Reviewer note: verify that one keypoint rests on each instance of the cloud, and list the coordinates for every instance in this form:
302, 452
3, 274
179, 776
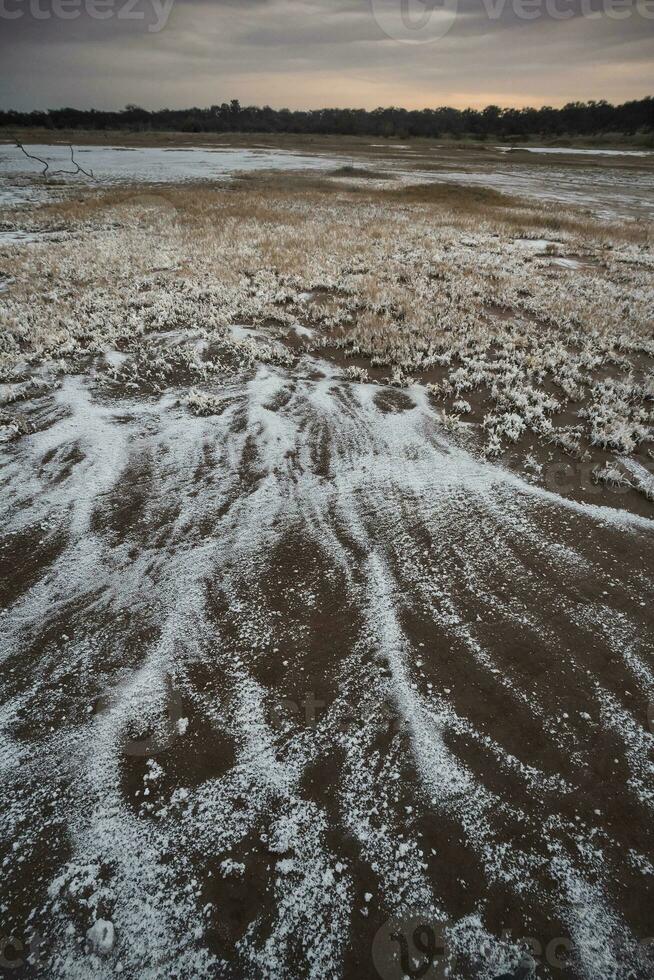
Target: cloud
308, 53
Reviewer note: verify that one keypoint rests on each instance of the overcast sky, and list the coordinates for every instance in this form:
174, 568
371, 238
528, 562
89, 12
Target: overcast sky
312, 53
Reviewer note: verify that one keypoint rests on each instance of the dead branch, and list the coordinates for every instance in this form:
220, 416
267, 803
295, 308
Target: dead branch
80, 169
60, 173
32, 156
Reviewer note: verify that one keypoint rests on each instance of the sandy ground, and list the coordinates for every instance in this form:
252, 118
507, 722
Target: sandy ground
310, 670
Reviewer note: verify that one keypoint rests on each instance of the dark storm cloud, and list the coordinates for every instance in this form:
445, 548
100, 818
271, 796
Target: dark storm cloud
315, 52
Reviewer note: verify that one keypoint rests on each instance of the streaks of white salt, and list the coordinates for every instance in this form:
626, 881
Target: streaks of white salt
239, 332
445, 778
611, 195
86, 423
8, 238
566, 262
643, 477
578, 151
601, 943
385, 473
115, 358
535, 244
13, 195
622, 637
638, 745
303, 331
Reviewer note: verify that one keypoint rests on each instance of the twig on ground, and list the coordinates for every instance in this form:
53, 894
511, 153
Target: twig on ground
46, 165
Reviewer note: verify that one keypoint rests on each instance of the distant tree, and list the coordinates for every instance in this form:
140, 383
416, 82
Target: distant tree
633, 119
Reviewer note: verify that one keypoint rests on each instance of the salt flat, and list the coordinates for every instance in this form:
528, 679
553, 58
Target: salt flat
327, 531
613, 192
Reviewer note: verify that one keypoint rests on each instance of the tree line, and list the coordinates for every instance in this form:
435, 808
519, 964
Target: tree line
579, 119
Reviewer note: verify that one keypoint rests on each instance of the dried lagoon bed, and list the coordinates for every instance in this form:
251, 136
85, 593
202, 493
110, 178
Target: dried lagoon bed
328, 539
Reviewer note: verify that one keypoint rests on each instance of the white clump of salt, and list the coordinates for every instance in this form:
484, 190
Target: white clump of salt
101, 936
229, 867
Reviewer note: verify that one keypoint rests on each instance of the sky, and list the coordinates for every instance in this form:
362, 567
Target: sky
315, 53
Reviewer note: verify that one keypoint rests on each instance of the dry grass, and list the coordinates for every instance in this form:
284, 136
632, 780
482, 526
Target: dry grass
436, 282
267, 196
